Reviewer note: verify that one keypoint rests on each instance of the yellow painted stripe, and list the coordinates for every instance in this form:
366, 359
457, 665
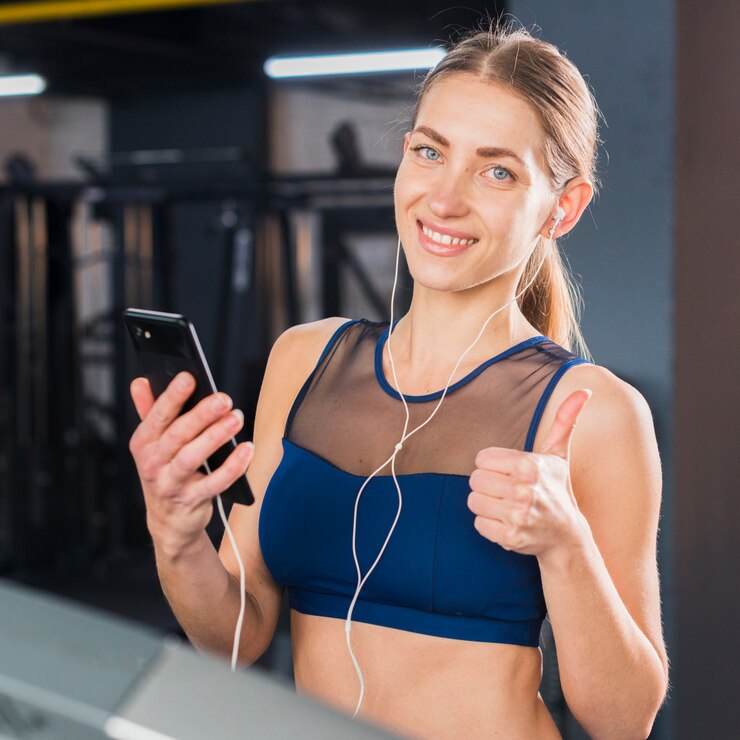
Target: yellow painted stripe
53, 10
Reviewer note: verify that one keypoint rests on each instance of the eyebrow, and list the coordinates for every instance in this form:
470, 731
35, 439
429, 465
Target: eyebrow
487, 152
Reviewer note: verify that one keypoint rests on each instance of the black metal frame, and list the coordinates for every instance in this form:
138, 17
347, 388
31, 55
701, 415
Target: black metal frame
67, 489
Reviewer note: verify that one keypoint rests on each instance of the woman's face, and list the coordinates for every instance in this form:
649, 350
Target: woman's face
471, 193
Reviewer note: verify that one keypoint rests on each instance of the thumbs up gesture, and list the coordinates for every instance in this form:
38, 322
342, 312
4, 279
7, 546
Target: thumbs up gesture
523, 501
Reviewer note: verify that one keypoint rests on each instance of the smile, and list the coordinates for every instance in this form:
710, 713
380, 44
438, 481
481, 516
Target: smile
435, 236
443, 244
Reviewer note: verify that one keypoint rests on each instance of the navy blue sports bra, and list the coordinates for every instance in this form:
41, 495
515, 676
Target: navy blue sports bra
438, 576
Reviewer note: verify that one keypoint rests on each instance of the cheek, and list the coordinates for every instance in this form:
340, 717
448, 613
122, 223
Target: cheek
405, 196
511, 222
410, 186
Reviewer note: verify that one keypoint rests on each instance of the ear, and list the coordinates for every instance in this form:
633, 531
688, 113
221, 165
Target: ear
574, 200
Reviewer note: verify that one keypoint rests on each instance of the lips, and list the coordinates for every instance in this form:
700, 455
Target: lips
446, 237
443, 242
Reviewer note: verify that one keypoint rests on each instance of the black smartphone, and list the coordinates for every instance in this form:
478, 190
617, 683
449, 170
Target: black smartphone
166, 344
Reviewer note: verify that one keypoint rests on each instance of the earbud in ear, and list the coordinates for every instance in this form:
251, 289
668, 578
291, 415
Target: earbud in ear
559, 216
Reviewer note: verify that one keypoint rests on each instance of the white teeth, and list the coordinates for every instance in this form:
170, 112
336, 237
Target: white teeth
446, 238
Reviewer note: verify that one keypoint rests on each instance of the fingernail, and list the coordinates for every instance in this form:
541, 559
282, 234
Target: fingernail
221, 402
184, 381
237, 418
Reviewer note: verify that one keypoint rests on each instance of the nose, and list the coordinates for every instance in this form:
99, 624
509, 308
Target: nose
448, 196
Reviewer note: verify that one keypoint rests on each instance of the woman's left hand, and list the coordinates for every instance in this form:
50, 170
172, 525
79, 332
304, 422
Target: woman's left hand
524, 501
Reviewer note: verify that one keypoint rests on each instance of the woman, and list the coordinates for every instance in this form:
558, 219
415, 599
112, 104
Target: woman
508, 510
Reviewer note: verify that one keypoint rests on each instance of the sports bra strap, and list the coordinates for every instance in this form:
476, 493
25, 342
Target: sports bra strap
544, 398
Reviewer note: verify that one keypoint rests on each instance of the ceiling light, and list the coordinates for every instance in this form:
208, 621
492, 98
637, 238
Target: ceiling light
360, 63
21, 85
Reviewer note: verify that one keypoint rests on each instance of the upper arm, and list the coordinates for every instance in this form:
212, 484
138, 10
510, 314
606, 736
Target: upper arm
292, 359
617, 481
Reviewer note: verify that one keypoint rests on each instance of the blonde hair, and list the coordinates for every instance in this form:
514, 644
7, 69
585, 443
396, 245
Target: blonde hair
568, 113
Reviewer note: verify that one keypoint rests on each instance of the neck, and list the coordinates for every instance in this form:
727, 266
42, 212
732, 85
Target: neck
440, 326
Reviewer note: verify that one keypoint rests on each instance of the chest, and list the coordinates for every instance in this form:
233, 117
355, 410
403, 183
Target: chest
434, 562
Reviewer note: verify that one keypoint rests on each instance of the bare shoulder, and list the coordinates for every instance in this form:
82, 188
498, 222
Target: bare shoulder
302, 337
617, 420
602, 381
614, 438
292, 358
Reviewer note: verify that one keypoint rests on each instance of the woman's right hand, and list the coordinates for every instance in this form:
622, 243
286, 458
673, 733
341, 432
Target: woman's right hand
169, 450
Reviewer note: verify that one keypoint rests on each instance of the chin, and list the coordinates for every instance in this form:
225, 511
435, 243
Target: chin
438, 279
439, 275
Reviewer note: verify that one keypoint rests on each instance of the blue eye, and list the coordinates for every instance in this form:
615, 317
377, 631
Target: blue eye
427, 152
500, 173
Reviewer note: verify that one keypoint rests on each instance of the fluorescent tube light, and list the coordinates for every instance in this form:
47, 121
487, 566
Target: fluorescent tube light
21, 85
360, 63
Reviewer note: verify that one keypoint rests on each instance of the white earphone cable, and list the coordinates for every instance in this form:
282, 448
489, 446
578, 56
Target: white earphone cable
242, 584
242, 577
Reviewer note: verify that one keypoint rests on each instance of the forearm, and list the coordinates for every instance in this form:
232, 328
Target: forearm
612, 676
205, 598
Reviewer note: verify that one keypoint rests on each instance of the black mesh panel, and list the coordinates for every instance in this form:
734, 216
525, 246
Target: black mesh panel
344, 415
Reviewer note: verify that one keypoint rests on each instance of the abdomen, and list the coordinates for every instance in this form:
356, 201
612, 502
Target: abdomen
422, 686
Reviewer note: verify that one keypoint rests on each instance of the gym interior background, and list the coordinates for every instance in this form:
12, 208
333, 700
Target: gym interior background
161, 168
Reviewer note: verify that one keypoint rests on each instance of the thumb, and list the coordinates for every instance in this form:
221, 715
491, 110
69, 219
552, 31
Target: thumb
557, 441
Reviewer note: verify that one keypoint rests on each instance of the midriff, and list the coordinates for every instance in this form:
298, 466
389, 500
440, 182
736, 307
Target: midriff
422, 686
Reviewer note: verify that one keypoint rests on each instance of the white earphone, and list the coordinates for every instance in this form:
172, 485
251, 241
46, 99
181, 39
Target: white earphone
559, 216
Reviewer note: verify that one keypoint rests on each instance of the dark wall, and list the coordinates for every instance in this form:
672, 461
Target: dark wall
707, 397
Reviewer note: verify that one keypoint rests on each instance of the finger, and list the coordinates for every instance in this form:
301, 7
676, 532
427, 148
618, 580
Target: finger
235, 466
142, 396
192, 456
493, 484
166, 408
184, 429
558, 439
509, 462
498, 509
492, 530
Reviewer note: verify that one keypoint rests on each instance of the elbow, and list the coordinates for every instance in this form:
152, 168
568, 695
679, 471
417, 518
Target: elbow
631, 718
632, 726
248, 655
256, 641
